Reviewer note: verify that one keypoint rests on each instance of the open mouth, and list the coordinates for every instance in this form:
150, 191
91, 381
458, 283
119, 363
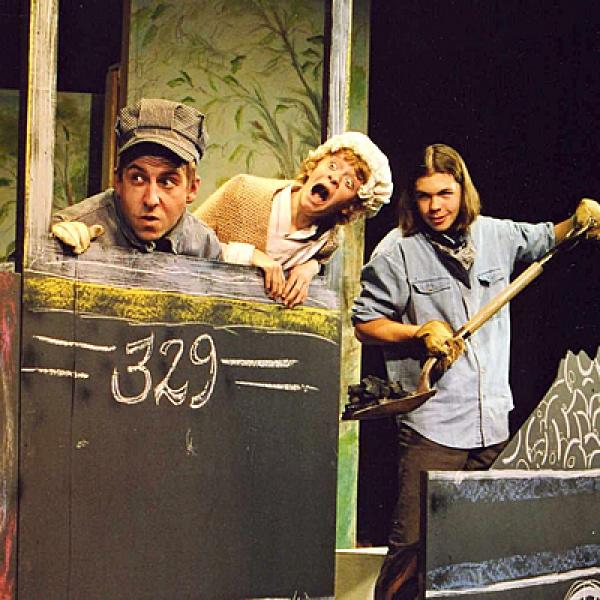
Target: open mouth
437, 219
320, 190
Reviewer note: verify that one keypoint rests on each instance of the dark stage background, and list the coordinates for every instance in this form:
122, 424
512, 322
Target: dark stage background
515, 87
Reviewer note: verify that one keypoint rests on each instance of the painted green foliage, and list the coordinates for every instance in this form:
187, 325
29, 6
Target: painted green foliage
255, 68
72, 139
70, 157
9, 118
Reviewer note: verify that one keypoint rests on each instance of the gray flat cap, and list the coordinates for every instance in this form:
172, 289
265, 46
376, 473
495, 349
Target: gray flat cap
174, 125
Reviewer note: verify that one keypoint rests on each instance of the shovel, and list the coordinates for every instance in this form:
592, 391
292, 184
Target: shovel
386, 406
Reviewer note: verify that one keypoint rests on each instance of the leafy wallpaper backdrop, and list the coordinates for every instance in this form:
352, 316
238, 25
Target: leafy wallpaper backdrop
71, 157
9, 119
254, 67
71, 148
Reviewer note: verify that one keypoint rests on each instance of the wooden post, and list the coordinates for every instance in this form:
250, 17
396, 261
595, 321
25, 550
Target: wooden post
41, 108
348, 95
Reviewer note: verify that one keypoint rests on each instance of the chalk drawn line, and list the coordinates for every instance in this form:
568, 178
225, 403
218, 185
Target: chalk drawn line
516, 584
261, 363
56, 372
284, 387
458, 476
74, 344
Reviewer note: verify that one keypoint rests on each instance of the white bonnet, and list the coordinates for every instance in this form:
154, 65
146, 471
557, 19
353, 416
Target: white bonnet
378, 189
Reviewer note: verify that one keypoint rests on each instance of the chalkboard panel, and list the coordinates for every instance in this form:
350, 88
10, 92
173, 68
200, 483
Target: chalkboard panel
167, 272
563, 432
10, 286
512, 535
168, 456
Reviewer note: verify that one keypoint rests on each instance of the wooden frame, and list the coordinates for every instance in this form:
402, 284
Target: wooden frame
40, 122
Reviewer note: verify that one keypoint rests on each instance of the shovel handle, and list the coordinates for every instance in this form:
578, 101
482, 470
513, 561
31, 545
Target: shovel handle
495, 304
481, 316
424, 384
533, 271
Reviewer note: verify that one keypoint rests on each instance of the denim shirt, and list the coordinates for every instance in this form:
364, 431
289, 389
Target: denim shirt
190, 236
405, 281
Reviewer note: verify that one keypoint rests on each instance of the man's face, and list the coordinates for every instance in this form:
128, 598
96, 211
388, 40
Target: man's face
153, 195
438, 198
329, 189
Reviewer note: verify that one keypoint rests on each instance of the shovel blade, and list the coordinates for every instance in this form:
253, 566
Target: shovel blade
387, 408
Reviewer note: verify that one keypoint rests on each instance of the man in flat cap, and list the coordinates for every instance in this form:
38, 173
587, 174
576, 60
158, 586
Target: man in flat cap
159, 144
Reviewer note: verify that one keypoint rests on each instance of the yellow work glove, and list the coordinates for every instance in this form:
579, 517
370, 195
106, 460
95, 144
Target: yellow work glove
439, 341
77, 236
588, 213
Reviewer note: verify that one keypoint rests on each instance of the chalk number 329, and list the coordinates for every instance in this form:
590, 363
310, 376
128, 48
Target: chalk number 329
163, 389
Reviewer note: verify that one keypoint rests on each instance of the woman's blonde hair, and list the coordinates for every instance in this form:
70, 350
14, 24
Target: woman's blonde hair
439, 158
363, 173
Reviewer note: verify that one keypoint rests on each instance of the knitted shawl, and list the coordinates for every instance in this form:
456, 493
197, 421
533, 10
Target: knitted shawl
240, 209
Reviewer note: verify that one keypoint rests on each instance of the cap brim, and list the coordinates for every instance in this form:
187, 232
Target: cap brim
184, 153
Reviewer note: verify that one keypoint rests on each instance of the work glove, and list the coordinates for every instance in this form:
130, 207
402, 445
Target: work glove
588, 213
77, 236
439, 341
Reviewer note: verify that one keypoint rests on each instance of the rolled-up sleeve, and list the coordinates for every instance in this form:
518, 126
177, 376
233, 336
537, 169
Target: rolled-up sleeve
530, 241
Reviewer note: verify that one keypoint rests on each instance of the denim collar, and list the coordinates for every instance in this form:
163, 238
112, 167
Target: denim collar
456, 251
